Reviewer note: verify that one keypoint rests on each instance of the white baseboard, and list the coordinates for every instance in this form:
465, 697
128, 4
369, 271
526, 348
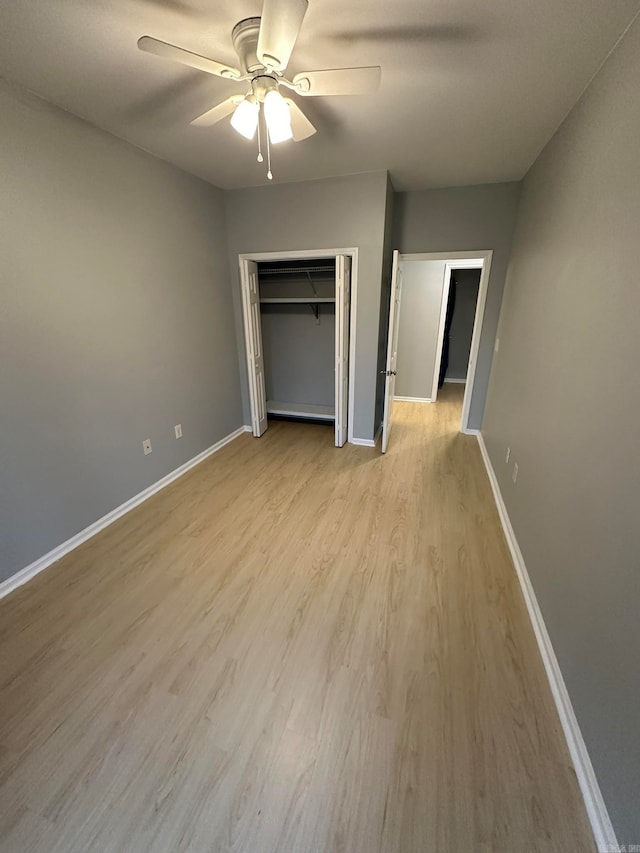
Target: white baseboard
469, 431
414, 399
603, 831
363, 442
30, 571
368, 442
449, 381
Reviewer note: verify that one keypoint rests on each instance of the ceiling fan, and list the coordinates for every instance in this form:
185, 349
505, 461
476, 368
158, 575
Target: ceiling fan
264, 46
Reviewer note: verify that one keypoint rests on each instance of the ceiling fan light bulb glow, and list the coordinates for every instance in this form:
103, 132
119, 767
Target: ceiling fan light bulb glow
277, 117
280, 134
245, 118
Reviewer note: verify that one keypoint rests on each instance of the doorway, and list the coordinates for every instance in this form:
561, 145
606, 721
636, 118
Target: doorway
415, 347
458, 329
298, 320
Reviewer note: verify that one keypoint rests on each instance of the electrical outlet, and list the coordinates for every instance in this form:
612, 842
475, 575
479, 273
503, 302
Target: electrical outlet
178, 429
506, 461
146, 446
514, 476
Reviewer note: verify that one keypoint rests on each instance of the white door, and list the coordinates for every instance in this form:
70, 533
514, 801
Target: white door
392, 351
343, 300
253, 345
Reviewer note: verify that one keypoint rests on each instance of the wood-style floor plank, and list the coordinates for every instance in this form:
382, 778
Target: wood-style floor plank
292, 648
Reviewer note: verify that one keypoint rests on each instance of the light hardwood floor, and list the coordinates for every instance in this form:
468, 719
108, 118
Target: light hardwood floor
293, 648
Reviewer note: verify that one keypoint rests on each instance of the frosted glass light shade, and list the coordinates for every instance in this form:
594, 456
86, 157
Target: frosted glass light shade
277, 117
245, 118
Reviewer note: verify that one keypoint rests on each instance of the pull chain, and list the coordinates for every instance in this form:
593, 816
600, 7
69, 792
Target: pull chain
260, 157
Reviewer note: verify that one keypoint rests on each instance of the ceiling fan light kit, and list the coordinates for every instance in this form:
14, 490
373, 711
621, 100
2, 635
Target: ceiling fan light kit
277, 117
264, 46
245, 118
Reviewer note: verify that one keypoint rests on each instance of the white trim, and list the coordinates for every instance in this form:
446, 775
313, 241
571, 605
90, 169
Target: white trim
413, 399
367, 442
305, 254
353, 313
23, 575
451, 381
468, 431
603, 831
294, 254
363, 442
465, 260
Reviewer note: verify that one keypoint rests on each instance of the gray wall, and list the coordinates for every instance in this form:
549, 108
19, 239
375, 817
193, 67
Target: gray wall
460, 219
420, 304
464, 314
299, 353
341, 212
564, 396
116, 324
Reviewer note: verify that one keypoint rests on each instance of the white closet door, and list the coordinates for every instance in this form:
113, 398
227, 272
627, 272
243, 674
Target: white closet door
343, 301
392, 351
253, 344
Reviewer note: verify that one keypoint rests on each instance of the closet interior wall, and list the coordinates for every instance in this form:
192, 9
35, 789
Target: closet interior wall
297, 313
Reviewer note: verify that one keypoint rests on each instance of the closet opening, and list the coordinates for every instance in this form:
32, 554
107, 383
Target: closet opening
297, 317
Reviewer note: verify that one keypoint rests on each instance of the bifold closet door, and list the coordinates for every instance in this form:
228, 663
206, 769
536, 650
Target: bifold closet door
343, 301
253, 345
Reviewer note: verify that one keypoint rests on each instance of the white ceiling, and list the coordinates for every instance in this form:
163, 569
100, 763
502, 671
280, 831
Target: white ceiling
471, 91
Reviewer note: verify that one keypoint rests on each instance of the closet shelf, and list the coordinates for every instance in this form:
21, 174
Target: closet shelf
299, 300
302, 410
330, 270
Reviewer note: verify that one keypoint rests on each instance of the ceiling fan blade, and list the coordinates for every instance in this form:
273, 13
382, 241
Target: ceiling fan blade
339, 81
279, 27
220, 111
185, 57
301, 127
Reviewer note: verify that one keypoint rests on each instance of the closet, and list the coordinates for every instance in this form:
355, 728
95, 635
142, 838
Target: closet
296, 323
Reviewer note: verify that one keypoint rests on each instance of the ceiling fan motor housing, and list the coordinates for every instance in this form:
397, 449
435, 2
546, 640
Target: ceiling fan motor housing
245, 43
262, 84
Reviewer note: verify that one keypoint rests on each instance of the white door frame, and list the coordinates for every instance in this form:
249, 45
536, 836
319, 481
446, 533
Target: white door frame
460, 260
307, 254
